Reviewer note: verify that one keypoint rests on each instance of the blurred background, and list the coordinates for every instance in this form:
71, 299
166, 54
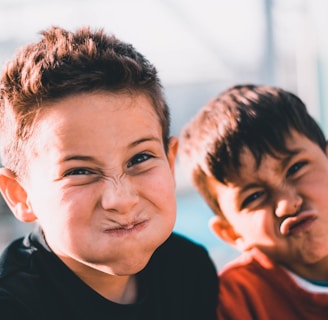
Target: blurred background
200, 48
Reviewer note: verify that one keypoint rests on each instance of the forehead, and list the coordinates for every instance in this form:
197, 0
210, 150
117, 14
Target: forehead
96, 106
101, 117
273, 161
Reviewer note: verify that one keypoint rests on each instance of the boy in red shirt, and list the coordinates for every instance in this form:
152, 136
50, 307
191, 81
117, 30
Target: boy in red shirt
260, 161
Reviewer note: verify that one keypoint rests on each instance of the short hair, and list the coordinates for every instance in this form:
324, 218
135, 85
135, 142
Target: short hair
65, 63
253, 116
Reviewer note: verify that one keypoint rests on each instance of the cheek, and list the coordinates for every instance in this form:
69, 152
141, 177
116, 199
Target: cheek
57, 208
162, 180
159, 189
315, 181
78, 205
256, 226
263, 222
315, 189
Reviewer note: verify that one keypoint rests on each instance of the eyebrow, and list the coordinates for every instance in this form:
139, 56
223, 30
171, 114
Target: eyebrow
90, 158
248, 187
146, 139
292, 152
79, 157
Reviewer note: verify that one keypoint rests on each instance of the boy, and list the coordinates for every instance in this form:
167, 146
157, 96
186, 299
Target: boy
260, 161
86, 152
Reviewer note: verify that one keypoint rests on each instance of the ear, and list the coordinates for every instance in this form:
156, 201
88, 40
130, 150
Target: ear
172, 152
223, 229
15, 196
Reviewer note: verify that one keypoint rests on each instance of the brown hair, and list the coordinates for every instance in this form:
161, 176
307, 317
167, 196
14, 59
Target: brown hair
64, 63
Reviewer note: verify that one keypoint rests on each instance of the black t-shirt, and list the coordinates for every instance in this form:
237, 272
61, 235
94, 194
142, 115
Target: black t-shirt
179, 282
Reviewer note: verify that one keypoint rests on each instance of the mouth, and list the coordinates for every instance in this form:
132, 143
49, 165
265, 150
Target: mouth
298, 224
126, 228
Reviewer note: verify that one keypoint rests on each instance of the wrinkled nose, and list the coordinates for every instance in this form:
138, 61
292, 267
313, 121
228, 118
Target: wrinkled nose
288, 202
119, 195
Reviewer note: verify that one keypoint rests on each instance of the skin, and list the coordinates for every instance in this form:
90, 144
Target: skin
101, 186
279, 207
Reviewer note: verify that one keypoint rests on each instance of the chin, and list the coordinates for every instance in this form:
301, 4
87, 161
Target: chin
129, 268
312, 258
129, 265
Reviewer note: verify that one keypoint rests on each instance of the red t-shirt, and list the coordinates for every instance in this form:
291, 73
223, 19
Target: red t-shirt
253, 287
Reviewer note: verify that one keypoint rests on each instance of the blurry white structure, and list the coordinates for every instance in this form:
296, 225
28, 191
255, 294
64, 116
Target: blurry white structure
199, 48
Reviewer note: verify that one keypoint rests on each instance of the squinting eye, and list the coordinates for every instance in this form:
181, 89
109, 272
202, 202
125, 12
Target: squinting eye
78, 171
293, 169
251, 198
139, 158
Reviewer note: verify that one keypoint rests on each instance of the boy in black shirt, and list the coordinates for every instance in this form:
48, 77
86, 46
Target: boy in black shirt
86, 152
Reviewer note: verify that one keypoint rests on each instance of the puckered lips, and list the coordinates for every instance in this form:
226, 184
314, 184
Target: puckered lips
301, 222
127, 228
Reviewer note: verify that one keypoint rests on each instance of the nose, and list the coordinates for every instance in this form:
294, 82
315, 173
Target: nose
119, 195
288, 202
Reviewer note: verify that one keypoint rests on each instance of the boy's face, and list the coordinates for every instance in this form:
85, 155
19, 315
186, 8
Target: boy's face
100, 183
280, 207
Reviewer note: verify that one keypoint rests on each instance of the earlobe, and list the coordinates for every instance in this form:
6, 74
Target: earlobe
223, 229
15, 196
